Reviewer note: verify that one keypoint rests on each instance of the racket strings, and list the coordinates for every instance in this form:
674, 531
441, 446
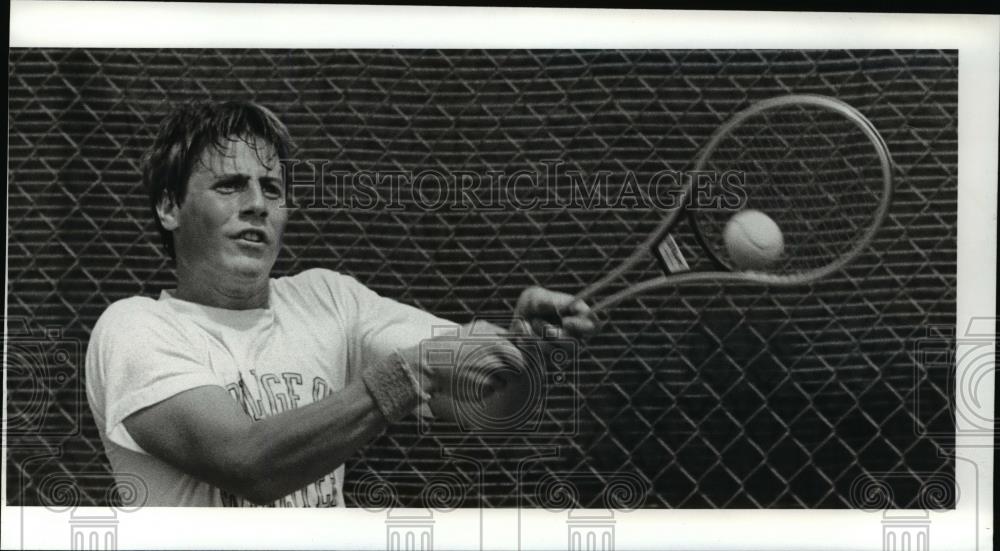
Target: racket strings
802, 194
813, 171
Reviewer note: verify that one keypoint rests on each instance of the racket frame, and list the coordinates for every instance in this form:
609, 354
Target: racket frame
724, 273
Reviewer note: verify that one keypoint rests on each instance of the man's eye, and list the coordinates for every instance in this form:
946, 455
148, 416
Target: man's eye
227, 187
271, 191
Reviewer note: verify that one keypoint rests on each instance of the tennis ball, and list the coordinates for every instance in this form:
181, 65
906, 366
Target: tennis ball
753, 240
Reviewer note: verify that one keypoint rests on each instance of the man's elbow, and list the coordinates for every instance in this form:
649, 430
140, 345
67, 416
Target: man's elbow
246, 474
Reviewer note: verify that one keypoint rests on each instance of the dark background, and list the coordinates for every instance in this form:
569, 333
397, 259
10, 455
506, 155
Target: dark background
702, 396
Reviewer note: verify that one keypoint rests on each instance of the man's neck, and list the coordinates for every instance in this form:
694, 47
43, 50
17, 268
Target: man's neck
221, 293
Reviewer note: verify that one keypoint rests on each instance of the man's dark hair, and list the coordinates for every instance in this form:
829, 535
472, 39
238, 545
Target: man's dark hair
185, 134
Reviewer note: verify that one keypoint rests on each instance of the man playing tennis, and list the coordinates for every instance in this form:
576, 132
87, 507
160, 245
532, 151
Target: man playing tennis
239, 389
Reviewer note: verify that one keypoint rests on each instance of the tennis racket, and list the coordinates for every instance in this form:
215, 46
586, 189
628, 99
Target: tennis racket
814, 164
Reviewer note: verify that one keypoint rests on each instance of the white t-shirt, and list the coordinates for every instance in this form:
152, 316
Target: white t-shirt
319, 331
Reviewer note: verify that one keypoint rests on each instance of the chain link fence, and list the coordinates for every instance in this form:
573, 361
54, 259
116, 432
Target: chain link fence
707, 396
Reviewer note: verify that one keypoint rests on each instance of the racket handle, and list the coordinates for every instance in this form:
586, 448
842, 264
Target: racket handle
566, 311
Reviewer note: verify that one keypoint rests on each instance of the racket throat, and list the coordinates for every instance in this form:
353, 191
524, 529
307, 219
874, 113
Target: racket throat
669, 255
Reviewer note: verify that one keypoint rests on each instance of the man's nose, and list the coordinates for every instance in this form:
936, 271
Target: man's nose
254, 202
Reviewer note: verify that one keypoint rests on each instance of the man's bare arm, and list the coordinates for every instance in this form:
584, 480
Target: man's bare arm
204, 432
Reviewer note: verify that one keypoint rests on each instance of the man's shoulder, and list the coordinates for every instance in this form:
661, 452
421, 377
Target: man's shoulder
136, 305
325, 290
321, 278
125, 326
128, 312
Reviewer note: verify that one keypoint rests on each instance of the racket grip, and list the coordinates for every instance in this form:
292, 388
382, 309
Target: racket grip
567, 310
598, 309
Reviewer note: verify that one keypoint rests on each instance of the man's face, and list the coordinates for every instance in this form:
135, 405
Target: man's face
229, 226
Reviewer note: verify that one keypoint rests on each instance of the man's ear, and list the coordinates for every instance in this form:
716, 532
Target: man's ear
167, 209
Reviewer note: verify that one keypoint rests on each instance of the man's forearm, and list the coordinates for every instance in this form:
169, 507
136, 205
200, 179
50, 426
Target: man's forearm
290, 450
204, 433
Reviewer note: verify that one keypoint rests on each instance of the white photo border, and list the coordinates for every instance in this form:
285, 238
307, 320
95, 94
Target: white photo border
149, 24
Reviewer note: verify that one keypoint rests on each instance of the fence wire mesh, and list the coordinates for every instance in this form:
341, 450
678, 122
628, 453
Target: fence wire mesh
709, 396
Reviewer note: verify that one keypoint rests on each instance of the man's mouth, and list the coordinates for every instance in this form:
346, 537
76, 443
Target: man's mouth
252, 236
